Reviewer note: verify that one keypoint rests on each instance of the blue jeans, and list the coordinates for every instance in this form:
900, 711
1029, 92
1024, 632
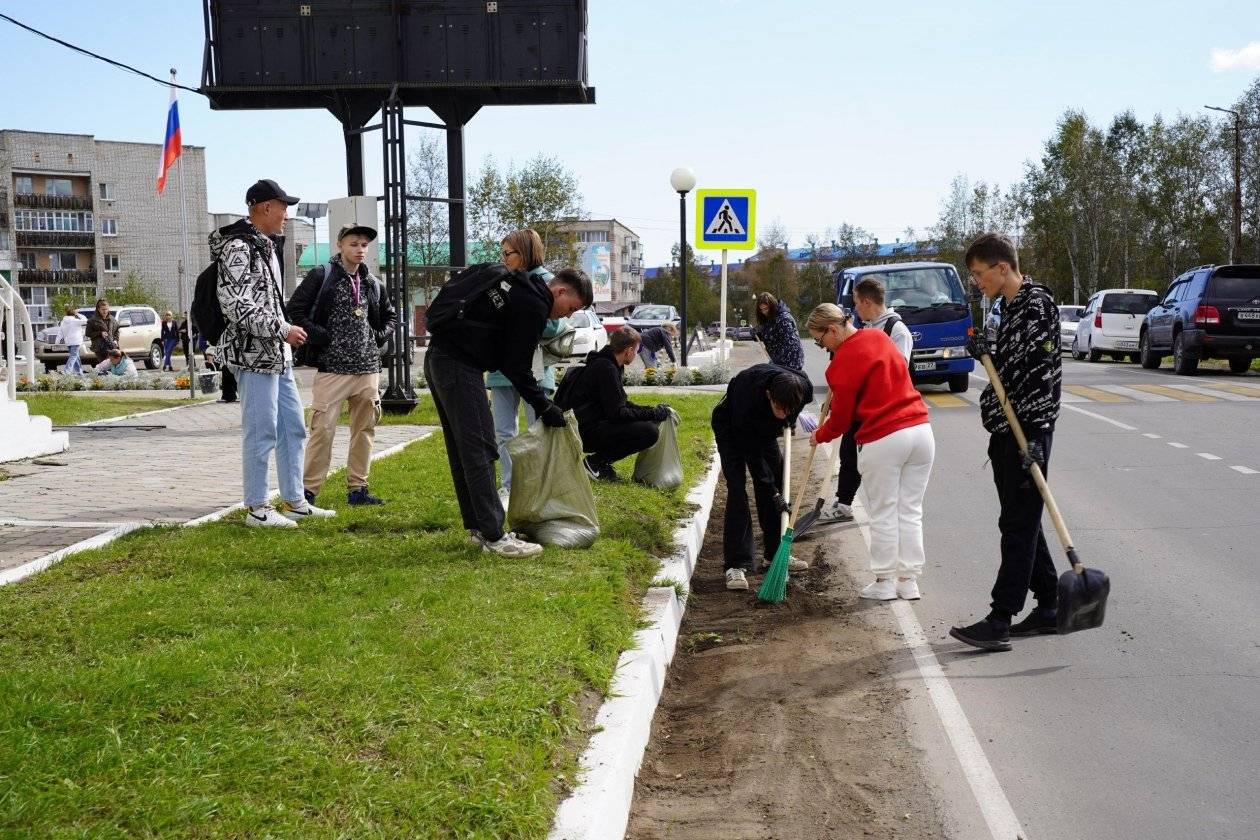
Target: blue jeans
504, 401
271, 419
168, 347
73, 365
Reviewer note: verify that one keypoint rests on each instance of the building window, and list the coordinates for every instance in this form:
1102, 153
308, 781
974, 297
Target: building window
58, 186
109, 227
62, 261
26, 260
111, 263
52, 220
107, 191
4, 240
22, 185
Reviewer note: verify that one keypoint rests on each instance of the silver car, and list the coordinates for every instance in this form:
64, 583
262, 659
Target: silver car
1069, 317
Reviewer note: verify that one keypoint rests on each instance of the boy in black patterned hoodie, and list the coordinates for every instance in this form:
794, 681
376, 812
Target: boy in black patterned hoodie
1028, 363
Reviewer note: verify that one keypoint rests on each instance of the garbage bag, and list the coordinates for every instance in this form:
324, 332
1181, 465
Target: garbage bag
551, 500
660, 465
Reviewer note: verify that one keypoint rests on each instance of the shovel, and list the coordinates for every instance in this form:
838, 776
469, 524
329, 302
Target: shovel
808, 518
1082, 592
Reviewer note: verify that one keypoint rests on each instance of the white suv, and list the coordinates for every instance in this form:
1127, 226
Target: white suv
1112, 324
139, 336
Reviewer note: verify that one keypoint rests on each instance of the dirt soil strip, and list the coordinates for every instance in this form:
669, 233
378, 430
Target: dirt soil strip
782, 721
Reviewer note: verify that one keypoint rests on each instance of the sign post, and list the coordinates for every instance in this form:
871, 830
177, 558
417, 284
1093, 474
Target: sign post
726, 220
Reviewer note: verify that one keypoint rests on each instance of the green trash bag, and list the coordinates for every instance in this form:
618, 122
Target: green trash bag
660, 465
551, 501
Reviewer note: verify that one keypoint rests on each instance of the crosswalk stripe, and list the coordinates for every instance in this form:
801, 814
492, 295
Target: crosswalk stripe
1228, 396
1244, 470
1175, 393
945, 400
1231, 388
1095, 394
1134, 394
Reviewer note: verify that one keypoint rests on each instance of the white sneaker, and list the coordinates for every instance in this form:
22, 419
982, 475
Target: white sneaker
880, 590
795, 564
736, 579
267, 517
908, 590
505, 496
509, 545
836, 512
298, 511
474, 539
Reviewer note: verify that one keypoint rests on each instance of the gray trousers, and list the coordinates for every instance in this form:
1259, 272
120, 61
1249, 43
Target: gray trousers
459, 393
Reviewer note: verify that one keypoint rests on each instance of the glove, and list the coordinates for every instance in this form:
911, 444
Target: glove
781, 504
1036, 454
977, 346
552, 416
662, 413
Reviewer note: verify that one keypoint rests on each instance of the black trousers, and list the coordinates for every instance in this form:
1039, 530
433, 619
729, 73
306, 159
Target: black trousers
227, 383
1026, 562
608, 443
459, 394
737, 531
849, 479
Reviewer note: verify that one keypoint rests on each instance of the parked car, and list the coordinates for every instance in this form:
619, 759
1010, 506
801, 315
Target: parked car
1112, 324
653, 315
612, 323
714, 328
139, 336
991, 322
1210, 312
590, 335
1069, 317
741, 332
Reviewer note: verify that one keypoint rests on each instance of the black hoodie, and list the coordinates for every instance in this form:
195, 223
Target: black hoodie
744, 415
597, 396
509, 348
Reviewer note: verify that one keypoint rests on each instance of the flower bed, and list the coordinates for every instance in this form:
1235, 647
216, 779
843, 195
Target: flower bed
71, 382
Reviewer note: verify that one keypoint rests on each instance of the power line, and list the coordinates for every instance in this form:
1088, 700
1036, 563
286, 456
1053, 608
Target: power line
78, 49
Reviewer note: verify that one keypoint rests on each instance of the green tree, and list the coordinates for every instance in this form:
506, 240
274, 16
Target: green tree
136, 291
542, 194
703, 301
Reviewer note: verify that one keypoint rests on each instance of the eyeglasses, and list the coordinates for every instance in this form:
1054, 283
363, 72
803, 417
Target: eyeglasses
974, 276
509, 253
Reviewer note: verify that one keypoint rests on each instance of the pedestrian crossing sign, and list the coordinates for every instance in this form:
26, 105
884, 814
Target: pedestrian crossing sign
726, 219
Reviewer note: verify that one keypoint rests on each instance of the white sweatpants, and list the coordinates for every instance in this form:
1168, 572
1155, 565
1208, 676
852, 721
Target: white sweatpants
895, 472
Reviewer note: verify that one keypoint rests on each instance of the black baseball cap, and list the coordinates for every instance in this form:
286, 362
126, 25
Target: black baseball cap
266, 190
362, 230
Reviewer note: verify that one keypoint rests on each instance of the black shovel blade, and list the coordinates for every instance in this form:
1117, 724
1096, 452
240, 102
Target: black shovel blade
1082, 600
807, 519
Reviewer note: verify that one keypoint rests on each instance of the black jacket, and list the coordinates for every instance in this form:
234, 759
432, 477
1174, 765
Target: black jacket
744, 416
1028, 363
171, 332
597, 396
308, 308
655, 339
517, 320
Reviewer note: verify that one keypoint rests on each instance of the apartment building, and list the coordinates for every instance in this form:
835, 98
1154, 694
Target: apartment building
78, 215
612, 256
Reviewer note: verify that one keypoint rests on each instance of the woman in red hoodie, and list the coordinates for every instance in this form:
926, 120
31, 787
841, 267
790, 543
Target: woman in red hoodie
870, 383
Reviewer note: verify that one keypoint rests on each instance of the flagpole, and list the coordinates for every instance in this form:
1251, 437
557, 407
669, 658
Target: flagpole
183, 272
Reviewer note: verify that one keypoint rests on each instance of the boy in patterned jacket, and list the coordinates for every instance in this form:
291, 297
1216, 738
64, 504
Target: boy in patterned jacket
1028, 363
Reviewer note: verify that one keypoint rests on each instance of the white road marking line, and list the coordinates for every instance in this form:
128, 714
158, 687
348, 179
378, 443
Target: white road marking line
1176, 445
1208, 456
1209, 392
1244, 470
1116, 423
994, 806
1134, 394
1151, 435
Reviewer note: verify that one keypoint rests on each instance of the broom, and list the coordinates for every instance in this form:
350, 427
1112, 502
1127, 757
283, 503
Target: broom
773, 587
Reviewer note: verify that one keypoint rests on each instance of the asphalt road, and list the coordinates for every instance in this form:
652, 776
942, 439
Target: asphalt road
1146, 727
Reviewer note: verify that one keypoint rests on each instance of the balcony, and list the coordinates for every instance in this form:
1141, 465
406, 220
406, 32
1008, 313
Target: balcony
55, 239
46, 276
52, 202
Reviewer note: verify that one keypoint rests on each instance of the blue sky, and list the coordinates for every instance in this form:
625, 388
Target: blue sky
834, 111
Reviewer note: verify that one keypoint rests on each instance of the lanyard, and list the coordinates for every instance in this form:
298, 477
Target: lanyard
354, 287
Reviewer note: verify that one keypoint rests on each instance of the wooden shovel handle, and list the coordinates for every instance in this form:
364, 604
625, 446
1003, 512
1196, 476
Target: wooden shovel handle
809, 462
1035, 469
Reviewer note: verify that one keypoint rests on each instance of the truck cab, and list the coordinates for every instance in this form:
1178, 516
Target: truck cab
930, 299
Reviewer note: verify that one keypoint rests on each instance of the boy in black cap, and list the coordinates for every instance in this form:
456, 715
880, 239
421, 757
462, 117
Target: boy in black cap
347, 316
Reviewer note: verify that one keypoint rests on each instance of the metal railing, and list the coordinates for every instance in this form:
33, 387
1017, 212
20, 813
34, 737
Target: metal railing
53, 202
16, 326
70, 276
55, 239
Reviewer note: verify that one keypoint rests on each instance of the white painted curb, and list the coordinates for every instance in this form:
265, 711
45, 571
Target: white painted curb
40, 563
599, 807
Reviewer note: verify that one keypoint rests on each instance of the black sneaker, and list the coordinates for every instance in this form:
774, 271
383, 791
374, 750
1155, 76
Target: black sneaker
986, 635
600, 472
309, 495
361, 496
1038, 623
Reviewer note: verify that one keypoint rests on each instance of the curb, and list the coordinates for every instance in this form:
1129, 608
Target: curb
107, 420
37, 565
599, 807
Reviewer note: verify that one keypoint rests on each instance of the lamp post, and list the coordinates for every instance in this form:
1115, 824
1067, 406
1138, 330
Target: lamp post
1235, 242
683, 180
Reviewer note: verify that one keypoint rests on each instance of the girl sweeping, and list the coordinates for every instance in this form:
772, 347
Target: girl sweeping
870, 383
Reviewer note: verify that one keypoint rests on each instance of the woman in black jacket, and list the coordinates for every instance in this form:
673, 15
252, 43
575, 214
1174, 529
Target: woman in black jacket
778, 332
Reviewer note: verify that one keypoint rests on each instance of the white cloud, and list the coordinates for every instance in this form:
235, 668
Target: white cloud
1243, 58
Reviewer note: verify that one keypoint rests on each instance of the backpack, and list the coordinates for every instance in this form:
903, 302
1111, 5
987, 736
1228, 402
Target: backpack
564, 394
207, 315
448, 310
305, 355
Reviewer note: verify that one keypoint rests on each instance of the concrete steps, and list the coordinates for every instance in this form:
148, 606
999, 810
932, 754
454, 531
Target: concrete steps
26, 436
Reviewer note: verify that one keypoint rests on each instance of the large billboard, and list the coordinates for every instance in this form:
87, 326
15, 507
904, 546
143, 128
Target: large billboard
597, 263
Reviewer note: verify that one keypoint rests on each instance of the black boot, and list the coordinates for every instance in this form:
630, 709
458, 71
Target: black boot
1040, 622
986, 635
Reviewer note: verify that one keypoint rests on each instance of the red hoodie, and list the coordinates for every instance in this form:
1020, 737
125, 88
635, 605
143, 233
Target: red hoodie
868, 364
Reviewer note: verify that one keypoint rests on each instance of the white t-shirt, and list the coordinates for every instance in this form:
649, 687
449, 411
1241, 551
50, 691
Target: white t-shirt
72, 329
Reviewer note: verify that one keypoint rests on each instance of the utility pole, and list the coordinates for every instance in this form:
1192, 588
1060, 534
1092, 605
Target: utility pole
1235, 241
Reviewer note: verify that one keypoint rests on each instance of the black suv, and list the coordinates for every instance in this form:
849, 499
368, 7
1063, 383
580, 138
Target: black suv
1210, 312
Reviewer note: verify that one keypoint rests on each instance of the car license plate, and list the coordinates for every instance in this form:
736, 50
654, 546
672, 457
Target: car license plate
1248, 316
925, 365
1126, 345
58, 348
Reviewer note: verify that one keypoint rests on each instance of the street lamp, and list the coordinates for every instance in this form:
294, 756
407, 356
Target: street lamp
683, 180
1235, 247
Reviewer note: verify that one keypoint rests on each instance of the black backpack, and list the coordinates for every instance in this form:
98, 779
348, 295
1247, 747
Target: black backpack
207, 315
448, 311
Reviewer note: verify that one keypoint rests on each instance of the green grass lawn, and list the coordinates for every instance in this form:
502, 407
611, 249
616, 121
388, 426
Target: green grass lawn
68, 409
368, 676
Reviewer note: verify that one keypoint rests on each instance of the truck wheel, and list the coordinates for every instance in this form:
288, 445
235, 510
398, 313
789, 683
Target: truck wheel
1239, 364
959, 382
1148, 358
1183, 363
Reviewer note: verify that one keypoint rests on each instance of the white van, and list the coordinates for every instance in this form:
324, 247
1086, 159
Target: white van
1112, 324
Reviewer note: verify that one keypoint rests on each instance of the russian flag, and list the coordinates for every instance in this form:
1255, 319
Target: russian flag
173, 146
